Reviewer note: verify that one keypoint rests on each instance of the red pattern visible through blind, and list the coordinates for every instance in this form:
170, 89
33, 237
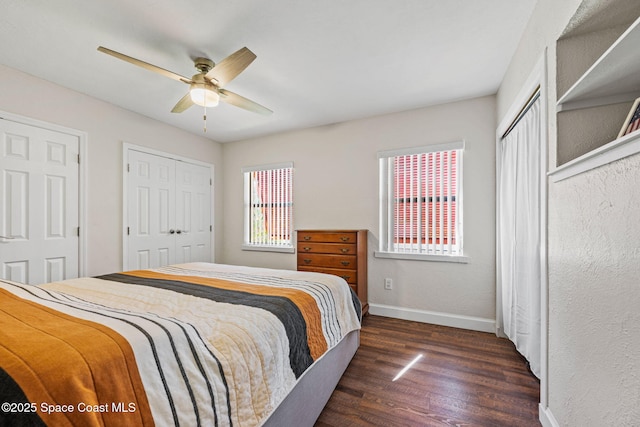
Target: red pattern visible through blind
425, 202
271, 206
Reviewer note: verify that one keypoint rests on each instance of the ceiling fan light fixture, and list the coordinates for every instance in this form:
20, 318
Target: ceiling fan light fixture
204, 96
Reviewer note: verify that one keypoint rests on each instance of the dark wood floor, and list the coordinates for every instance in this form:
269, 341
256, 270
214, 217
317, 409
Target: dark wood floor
464, 378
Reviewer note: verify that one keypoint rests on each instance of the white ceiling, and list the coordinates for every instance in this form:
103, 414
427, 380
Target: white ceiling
318, 62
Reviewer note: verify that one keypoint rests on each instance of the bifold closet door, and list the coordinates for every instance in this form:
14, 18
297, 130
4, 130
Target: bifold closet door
168, 211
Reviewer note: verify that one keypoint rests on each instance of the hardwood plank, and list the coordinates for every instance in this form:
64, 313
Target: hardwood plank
464, 378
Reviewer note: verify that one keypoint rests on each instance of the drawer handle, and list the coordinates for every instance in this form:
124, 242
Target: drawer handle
344, 250
306, 248
307, 261
345, 238
345, 263
346, 278
306, 237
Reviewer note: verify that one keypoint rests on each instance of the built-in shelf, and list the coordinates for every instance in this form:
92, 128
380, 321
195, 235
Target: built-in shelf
615, 150
613, 78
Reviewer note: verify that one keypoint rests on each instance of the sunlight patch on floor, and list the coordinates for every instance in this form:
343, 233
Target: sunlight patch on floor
406, 368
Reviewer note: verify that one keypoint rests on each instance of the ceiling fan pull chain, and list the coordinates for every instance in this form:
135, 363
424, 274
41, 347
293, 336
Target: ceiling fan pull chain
204, 104
205, 119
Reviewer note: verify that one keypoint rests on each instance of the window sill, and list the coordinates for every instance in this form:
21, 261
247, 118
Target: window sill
265, 248
423, 257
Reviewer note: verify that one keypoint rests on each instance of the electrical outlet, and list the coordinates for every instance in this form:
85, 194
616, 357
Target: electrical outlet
388, 284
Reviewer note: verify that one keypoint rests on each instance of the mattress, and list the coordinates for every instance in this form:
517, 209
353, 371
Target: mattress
190, 344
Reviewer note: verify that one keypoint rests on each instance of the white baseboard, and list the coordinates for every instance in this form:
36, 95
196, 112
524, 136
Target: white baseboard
434, 317
546, 417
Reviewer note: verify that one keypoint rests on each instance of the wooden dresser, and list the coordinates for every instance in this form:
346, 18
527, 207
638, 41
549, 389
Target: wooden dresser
339, 252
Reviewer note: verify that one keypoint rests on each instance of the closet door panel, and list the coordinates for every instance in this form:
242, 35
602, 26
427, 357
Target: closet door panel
151, 211
193, 212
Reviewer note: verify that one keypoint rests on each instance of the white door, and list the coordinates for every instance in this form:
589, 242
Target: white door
151, 212
168, 211
39, 191
193, 212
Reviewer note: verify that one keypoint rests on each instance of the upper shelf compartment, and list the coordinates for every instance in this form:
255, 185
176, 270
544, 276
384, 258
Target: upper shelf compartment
613, 78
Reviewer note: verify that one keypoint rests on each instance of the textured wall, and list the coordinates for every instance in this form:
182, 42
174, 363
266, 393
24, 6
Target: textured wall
593, 249
594, 294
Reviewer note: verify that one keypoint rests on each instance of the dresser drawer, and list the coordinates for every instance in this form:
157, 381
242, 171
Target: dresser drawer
327, 237
350, 276
327, 248
324, 260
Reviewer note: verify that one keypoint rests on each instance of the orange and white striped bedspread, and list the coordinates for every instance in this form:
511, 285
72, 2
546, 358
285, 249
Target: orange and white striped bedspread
190, 344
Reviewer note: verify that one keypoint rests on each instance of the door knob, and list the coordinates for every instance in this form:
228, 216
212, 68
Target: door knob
172, 231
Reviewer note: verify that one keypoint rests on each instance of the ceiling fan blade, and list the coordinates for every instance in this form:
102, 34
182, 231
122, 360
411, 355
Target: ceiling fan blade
184, 103
145, 65
229, 68
242, 102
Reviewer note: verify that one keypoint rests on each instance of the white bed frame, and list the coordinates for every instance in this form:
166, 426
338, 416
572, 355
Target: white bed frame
303, 405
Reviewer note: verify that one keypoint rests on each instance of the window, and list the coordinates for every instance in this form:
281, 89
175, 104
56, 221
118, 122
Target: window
268, 202
421, 203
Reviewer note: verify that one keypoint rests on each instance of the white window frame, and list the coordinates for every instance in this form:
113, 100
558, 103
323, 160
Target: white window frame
265, 246
386, 205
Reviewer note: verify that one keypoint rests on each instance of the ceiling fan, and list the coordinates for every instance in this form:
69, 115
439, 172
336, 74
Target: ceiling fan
206, 87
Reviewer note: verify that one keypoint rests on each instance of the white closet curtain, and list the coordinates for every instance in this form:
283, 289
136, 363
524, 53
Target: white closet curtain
519, 235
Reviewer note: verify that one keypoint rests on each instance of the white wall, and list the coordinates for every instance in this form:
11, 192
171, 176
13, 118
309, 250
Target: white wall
594, 276
593, 260
336, 186
107, 127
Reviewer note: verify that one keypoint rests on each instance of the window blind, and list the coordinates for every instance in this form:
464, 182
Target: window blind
420, 203
269, 205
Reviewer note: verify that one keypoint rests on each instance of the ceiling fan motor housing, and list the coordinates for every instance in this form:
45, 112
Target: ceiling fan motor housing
203, 64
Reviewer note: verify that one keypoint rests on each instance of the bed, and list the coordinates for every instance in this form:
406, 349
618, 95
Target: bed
189, 344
